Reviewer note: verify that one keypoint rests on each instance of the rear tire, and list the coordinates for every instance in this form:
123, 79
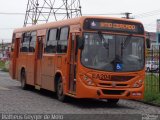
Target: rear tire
60, 92
112, 101
23, 80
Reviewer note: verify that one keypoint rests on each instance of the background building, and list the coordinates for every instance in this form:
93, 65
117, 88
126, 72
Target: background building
4, 51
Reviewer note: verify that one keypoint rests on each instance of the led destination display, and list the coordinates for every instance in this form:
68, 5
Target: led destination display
113, 26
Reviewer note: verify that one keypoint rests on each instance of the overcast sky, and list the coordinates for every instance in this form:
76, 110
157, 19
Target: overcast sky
147, 11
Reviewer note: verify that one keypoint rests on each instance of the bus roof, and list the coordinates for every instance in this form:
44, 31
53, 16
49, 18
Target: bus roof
73, 21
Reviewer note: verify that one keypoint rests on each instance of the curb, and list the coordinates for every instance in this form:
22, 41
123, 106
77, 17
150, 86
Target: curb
148, 103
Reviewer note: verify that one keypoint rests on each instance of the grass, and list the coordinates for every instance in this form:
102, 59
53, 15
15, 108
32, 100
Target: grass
152, 90
3, 66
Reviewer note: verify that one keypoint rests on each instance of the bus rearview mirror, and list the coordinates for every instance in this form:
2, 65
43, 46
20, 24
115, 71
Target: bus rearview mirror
80, 42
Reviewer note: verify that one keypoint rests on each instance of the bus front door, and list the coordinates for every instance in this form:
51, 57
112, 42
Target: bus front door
72, 64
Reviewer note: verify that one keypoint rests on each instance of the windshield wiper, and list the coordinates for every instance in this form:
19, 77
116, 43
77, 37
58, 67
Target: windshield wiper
126, 42
106, 45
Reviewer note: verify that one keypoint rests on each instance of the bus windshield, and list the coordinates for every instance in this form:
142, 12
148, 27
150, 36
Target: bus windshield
113, 52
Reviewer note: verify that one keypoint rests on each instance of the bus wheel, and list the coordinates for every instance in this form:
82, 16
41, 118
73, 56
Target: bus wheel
112, 101
23, 80
60, 94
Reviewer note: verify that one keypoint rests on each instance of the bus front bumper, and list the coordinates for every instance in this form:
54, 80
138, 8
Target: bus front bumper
84, 91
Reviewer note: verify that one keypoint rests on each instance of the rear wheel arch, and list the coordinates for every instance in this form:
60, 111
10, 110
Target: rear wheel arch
23, 78
59, 89
56, 78
22, 70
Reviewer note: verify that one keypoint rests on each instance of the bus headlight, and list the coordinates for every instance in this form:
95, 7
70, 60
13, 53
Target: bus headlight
85, 78
140, 81
138, 84
88, 81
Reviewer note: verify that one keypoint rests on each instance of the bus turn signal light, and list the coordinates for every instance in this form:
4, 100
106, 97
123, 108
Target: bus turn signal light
138, 84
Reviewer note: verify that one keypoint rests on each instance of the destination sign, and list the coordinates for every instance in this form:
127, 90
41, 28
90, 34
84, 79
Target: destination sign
113, 26
117, 26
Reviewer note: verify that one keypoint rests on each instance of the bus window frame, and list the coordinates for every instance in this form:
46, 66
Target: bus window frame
59, 35
47, 39
22, 41
31, 40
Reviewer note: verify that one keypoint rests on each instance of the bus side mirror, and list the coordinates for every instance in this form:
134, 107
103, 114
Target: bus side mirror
148, 43
80, 42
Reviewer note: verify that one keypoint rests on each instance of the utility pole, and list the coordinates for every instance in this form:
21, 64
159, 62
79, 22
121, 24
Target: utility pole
42, 11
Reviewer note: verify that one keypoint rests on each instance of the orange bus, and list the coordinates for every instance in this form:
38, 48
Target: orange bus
85, 57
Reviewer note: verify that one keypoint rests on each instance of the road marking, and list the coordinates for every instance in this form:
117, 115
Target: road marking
3, 88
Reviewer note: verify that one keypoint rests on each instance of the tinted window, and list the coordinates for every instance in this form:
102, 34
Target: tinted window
62, 43
51, 45
113, 52
25, 42
52, 34
32, 43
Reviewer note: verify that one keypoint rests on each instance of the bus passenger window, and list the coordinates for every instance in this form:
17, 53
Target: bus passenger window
32, 43
51, 45
63, 41
25, 42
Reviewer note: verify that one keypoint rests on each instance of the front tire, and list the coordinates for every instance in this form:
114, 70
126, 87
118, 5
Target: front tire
60, 92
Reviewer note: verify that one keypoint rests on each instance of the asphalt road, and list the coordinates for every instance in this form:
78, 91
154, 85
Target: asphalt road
15, 100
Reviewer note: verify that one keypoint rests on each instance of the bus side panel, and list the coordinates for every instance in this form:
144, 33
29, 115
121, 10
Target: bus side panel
17, 69
13, 58
11, 65
48, 71
22, 63
61, 66
30, 68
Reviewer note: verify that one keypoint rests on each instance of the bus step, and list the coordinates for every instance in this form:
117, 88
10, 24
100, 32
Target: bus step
37, 87
72, 93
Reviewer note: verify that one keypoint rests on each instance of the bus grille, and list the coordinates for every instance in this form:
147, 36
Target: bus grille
110, 85
113, 92
121, 78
